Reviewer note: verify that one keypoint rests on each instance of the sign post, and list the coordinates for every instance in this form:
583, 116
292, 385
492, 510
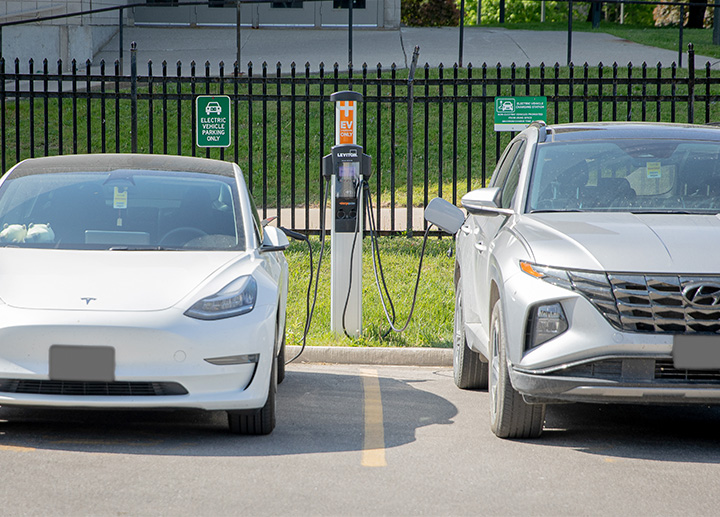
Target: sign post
213, 121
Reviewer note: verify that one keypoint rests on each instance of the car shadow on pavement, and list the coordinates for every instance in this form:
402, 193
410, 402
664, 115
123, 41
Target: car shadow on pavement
687, 434
317, 412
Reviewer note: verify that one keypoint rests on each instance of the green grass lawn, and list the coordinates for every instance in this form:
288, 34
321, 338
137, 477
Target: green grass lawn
661, 37
432, 322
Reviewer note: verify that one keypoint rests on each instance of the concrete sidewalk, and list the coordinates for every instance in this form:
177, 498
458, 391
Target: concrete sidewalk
385, 356
385, 47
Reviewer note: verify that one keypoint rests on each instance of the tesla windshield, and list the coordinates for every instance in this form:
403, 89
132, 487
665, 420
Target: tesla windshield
633, 175
121, 210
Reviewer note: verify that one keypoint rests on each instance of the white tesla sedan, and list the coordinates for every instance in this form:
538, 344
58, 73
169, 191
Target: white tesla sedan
139, 281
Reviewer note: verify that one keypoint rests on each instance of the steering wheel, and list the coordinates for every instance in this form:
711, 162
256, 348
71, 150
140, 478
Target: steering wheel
181, 236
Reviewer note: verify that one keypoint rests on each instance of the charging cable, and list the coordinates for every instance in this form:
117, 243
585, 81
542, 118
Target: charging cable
376, 250
358, 192
310, 309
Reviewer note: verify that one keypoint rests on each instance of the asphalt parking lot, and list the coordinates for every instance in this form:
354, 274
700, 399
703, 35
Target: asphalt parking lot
361, 440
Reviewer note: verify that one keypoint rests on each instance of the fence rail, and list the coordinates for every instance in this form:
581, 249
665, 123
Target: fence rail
282, 120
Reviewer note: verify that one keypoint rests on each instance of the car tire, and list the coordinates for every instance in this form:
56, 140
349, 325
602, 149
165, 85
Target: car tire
257, 422
281, 361
469, 371
510, 415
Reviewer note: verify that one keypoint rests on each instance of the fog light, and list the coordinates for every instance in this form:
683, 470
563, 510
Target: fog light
547, 322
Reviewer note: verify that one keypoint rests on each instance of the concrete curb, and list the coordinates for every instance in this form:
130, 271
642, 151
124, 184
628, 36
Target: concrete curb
372, 355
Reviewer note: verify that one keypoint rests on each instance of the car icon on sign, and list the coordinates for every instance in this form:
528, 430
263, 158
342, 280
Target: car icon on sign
213, 107
506, 106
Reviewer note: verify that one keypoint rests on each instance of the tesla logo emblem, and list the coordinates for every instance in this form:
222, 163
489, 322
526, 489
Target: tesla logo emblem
702, 294
88, 300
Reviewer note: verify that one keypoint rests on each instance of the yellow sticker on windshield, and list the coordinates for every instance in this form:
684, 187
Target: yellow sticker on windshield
653, 169
120, 199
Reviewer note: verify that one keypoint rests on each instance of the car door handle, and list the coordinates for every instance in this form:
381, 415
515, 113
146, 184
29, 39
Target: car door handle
466, 229
480, 247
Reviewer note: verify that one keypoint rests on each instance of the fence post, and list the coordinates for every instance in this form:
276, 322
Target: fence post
133, 96
120, 37
238, 40
691, 83
569, 34
462, 30
3, 134
410, 137
680, 37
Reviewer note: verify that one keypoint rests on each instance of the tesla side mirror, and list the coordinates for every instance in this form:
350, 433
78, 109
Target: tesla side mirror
444, 215
484, 201
273, 240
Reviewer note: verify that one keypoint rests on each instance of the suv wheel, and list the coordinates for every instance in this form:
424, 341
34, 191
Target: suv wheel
510, 415
469, 371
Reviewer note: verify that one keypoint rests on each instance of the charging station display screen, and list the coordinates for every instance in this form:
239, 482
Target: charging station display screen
349, 170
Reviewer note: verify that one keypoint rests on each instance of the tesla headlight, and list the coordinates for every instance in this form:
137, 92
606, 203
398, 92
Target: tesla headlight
546, 322
238, 297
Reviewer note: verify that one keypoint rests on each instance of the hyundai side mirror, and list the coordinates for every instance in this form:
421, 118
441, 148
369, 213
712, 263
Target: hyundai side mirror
484, 201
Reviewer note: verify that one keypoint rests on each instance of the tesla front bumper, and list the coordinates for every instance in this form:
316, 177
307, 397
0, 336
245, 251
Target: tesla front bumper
159, 359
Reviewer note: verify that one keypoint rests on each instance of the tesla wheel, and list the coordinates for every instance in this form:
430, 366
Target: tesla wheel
469, 371
510, 415
262, 421
281, 361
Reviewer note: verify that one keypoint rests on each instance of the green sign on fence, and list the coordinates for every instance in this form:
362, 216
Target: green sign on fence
517, 113
213, 121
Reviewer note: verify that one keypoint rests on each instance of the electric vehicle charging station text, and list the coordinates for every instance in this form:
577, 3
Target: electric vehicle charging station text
346, 167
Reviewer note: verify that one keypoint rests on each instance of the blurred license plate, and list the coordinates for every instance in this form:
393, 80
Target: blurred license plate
82, 363
696, 352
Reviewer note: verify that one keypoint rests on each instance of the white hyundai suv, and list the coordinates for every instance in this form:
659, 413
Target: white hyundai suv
588, 271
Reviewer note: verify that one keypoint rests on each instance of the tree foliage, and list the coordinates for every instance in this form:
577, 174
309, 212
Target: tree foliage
430, 13
665, 15
526, 11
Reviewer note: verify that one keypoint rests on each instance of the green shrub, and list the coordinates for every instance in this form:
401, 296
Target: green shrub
527, 11
430, 13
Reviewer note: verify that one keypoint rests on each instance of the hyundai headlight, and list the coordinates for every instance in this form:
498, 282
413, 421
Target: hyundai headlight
595, 286
236, 298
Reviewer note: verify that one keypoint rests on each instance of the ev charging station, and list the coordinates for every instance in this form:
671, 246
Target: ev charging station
346, 171
346, 168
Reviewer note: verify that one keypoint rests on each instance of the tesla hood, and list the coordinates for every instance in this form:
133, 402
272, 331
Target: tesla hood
103, 280
624, 242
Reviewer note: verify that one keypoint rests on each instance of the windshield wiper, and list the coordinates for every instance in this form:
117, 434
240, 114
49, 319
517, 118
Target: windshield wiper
139, 248
670, 211
554, 210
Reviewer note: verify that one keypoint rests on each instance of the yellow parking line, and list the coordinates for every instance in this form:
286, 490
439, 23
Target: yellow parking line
16, 448
374, 443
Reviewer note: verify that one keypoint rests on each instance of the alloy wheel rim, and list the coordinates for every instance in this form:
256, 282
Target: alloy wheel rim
494, 369
457, 333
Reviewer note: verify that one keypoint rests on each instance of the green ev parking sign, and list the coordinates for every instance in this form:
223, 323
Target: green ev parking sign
517, 113
213, 121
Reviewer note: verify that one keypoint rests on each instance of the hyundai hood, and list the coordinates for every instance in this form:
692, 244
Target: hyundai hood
624, 242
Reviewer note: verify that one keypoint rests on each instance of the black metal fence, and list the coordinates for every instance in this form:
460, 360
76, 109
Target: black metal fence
430, 131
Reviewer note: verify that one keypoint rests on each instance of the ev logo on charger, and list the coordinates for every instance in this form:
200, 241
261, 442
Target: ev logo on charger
345, 122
